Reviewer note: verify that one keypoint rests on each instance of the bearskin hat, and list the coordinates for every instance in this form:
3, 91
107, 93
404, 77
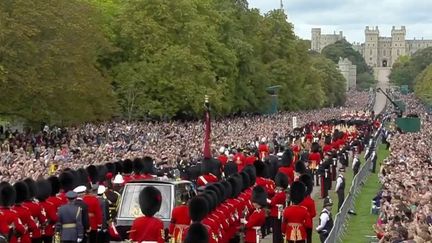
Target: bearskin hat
287, 158
55, 185
137, 166
67, 181
7, 194
315, 147
300, 167
245, 180
260, 168
148, 167
259, 196
43, 190
222, 190
327, 139
150, 200
118, 167
308, 182
31, 184
93, 173
22, 192
102, 171
198, 208
83, 177
250, 170
219, 193
297, 192
212, 196
111, 168
197, 233
127, 166
230, 168
281, 180
235, 186
227, 189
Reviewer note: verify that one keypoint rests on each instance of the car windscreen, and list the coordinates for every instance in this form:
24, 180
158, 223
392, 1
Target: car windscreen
130, 206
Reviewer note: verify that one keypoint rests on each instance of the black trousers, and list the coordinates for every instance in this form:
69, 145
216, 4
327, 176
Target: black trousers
47, 239
38, 240
309, 235
103, 237
341, 198
323, 237
277, 230
68, 241
265, 229
92, 236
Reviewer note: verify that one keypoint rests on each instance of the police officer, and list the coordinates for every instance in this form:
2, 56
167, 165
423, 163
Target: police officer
325, 220
69, 226
340, 187
356, 164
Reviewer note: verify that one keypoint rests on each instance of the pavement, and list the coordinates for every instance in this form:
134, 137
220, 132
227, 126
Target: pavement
382, 75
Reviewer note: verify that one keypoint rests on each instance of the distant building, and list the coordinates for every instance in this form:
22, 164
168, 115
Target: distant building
319, 41
349, 71
378, 51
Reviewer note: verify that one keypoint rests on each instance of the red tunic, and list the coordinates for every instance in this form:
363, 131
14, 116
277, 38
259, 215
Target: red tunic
327, 148
94, 211
315, 160
51, 216
27, 220
250, 160
147, 229
255, 220
53, 202
239, 160
223, 159
10, 217
180, 220
295, 221
263, 150
289, 172
279, 198
205, 179
39, 215
309, 204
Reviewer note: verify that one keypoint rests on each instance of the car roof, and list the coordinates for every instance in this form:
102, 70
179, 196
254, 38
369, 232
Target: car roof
156, 181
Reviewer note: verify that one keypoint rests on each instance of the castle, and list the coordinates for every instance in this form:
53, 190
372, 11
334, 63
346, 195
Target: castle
377, 51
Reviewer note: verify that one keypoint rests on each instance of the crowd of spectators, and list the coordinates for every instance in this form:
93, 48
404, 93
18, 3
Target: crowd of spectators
30, 154
406, 175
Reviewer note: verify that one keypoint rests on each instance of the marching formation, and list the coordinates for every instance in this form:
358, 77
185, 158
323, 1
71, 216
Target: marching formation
246, 193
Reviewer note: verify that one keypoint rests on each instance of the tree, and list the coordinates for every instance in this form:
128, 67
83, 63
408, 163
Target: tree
49, 50
423, 85
404, 72
343, 49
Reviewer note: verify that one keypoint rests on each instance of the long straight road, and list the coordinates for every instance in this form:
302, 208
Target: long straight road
382, 75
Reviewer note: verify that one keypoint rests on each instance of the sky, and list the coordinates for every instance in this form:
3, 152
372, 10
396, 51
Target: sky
352, 16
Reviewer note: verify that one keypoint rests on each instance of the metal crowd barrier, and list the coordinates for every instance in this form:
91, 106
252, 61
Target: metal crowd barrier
341, 218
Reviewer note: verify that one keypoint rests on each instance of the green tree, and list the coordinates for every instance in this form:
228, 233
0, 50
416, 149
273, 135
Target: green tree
343, 49
50, 50
404, 72
423, 85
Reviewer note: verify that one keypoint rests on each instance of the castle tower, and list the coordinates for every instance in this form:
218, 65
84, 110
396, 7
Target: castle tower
398, 43
371, 46
316, 39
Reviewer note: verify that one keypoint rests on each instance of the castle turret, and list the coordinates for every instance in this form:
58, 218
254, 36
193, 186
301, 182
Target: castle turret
398, 43
371, 46
316, 39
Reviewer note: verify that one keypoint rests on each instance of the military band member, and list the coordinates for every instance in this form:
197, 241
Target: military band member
180, 220
296, 218
325, 220
15, 228
148, 227
69, 225
277, 203
308, 203
254, 222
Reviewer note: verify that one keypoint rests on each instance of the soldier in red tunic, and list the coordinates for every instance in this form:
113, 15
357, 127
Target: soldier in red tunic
208, 173
263, 149
148, 170
180, 219
296, 218
223, 159
277, 203
36, 211
53, 202
197, 232
147, 227
94, 213
286, 167
47, 208
315, 160
127, 171
254, 222
308, 202
22, 194
15, 228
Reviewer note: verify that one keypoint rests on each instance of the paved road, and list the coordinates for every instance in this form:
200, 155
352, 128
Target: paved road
383, 82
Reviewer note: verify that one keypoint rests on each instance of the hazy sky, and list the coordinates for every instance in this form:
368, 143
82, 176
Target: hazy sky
351, 16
